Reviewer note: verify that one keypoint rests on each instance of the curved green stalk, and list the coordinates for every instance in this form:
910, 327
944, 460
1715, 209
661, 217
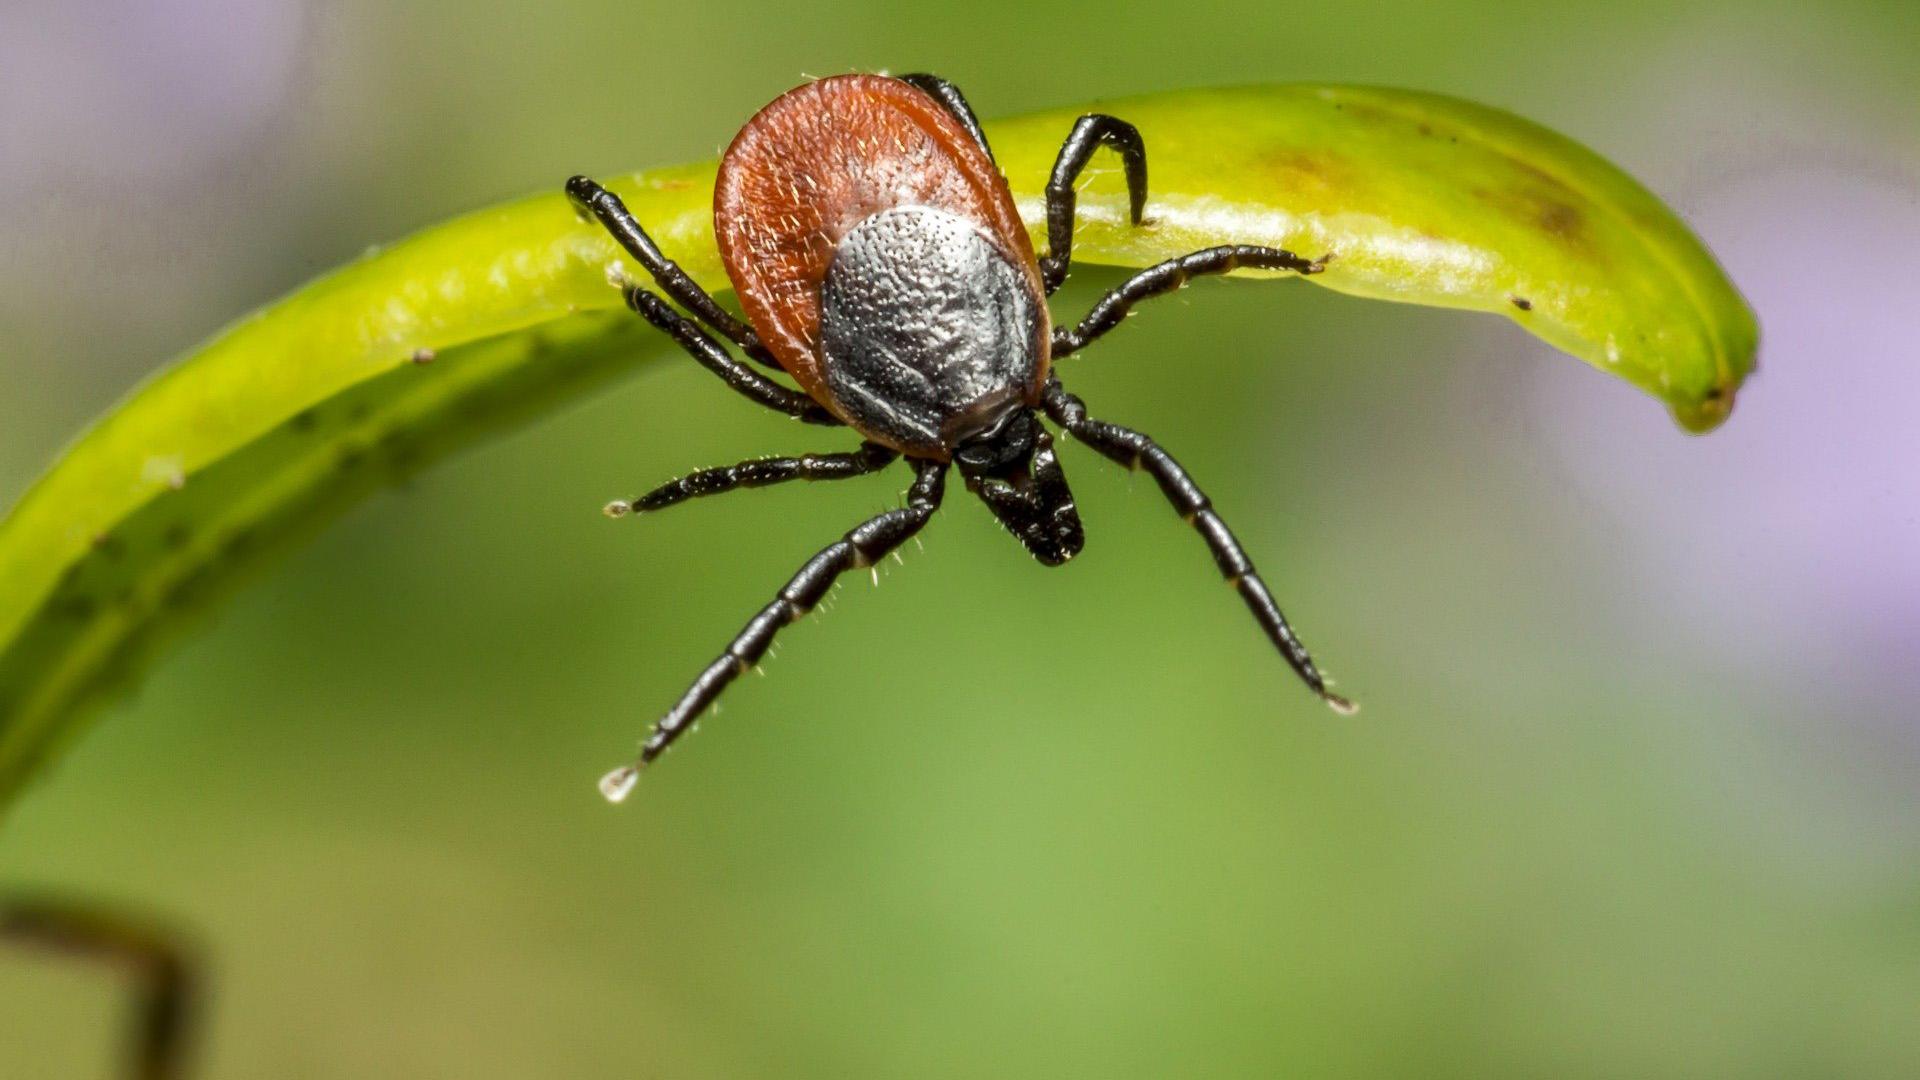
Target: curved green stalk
304, 406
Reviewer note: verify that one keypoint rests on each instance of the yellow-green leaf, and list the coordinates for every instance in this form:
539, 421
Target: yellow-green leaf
369, 373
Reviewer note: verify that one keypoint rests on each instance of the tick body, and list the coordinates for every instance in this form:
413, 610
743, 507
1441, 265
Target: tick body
882, 265
878, 253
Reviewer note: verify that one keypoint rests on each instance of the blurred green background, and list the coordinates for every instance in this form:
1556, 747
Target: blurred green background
1632, 794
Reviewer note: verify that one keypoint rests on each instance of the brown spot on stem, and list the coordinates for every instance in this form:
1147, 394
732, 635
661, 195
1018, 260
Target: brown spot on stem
1560, 219
1548, 212
1307, 172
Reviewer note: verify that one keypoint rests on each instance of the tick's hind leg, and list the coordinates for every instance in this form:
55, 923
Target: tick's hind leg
1089, 133
1137, 451
589, 197
950, 98
866, 544
1170, 275
761, 472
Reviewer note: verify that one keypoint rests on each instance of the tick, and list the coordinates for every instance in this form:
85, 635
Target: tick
877, 253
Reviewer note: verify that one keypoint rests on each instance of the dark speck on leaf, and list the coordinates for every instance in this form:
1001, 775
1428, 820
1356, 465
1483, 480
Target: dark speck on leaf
400, 451
238, 544
182, 592
1522, 303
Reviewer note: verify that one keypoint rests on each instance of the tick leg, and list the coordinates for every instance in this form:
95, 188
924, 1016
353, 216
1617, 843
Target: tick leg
866, 544
949, 96
1089, 133
589, 197
1135, 451
159, 962
1170, 275
750, 383
764, 472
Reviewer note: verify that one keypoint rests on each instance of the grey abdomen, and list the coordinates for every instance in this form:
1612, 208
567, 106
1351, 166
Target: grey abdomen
926, 328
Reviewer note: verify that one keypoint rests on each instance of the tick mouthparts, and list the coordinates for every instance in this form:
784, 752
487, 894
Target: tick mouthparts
1339, 704
618, 784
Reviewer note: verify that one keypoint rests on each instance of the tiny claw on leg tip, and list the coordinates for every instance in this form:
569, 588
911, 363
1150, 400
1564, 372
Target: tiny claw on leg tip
618, 784
1341, 705
617, 508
